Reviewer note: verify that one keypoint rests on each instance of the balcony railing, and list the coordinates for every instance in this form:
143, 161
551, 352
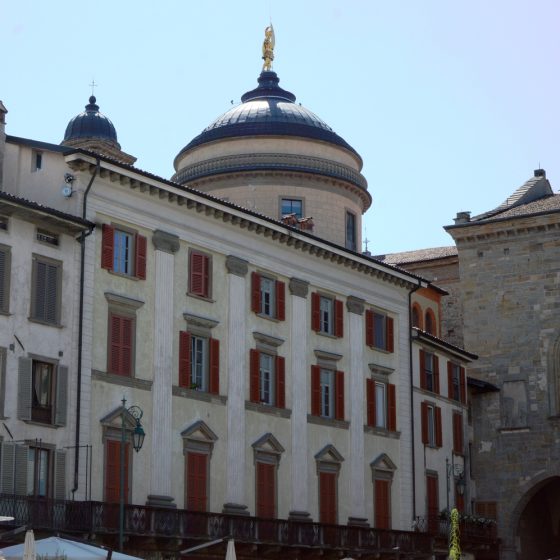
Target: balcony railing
471, 531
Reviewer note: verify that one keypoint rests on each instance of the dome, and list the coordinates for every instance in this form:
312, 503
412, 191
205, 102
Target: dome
268, 110
91, 124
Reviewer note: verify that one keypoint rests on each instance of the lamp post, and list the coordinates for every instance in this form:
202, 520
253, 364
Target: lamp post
138, 436
458, 476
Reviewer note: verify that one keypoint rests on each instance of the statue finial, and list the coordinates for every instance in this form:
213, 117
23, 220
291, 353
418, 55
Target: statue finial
268, 48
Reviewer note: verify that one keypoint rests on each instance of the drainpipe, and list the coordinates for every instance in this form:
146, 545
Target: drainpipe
82, 242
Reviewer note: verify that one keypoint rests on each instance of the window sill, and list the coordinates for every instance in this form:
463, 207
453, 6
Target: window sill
268, 317
268, 409
46, 323
203, 396
43, 424
202, 298
384, 432
5, 313
122, 275
122, 380
382, 350
328, 335
321, 421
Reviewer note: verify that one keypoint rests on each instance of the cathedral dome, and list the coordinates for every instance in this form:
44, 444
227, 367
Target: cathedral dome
91, 124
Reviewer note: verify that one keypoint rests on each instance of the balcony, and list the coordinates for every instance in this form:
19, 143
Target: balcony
171, 530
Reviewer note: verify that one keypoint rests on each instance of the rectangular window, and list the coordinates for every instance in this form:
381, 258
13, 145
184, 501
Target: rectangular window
200, 274
267, 381
46, 289
380, 405
431, 425
36, 160
327, 393
350, 231
327, 315
456, 382
379, 335
3, 223
122, 333
268, 297
379, 330
429, 371
457, 433
123, 251
38, 472
199, 362
5, 268
292, 206
43, 392
197, 481
47, 237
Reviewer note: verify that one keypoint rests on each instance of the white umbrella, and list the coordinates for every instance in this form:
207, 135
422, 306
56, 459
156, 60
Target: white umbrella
29, 547
230, 552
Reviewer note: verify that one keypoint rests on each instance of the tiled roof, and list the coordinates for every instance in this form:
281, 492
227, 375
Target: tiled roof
550, 203
420, 255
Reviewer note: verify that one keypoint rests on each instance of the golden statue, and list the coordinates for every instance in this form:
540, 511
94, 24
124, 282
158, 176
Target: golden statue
268, 48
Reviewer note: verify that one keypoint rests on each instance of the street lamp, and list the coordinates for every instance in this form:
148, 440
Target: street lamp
458, 476
138, 436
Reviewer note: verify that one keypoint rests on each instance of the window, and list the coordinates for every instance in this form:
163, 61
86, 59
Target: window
326, 315
38, 472
266, 490
431, 425
36, 160
122, 334
267, 379
200, 265
292, 206
416, 316
458, 433
5, 262
383, 470
430, 322
456, 382
47, 237
432, 506
268, 297
429, 371
350, 231
381, 404
46, 280
123, 252
42, 391
113, 470
199, 362
197, 481
379, 331
327, 393
3, 223
329, 462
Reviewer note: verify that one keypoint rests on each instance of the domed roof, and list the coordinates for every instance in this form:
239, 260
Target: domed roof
268, 110
91, 124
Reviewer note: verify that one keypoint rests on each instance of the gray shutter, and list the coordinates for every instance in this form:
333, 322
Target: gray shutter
22, 463
24, 388
3, 273
7, 467
39, 281
51, 293
59, 475
61, 405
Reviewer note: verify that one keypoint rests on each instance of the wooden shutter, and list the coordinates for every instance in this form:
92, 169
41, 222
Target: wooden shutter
369, 327
391, 407
463, 385
423, 380
140, 264
370, 398
459, 502
280, 382
199, 274
214, 366
338, 318
121, 344
4, 276
458, 433
25, 379
112, 471
59, 475
389, 334
255, 292
315, 311
315, 390
21, 466
61, 401
266, 490
280, 301
382, 504
450, 380
433, 502
436, 374
425, 430
107, 246
185, 359
327, 498
437, 410
339, 395
197, 481
126, 345
254, 376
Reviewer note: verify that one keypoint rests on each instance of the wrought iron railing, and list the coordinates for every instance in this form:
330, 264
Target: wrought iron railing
471, 530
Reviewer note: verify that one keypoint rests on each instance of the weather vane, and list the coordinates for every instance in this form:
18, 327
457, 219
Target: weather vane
268, 48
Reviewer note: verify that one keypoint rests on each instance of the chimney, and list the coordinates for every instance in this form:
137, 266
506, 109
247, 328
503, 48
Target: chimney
462, 218
3, 112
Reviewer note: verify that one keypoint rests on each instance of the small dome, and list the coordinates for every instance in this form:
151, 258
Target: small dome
91, 124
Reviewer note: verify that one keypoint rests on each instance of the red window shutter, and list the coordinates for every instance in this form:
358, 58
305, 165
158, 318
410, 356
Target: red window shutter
389, 335
184, 359
423, 380
436, 374
197, 481
369, 327
141, 249
327, 498
370, 396
438, 426
315, 390
458, 433
315, 311
459, 502
280, 301
450, 380
339, 395
433, 503
254, 376
113, 471
424, 414
280, 382
391, 408
107, 246
121, 344
338, 318
255, 292
126, 345
382, 504
266, 490
199, 272
214, 385
463, 382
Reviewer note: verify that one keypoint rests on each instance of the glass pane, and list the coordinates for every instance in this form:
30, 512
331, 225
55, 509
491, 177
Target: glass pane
350, 231
198, 363
267, 296
326, 393
380, 400
267, 379
326, 314
42, 378
292, 206
429, 368
431, 426
122, 252
379, 330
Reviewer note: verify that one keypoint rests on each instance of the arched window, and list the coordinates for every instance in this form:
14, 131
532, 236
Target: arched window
430, 322
416, 316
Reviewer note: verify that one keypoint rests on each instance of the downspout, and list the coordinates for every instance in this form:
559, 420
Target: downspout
82, 242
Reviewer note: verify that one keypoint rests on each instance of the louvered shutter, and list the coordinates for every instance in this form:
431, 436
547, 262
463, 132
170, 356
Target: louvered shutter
21, 466
390, 335
450, 380
59, 475
463, 382
127, 325
39, 279
458, 433
254, 376
266, 491
436, 374
433, 503
439, 437
25, 380
8, 462
214, 385
141, 250
425, 431
255, 292
327, 498
315, 311
197, 481
338, 318
184, 359
4, 277
61, 404
52, 278
370, 398
112, 471
339, 395
382, 506
391, 407
369, 327
280, 301
107, 246
315, 390
423, 380
199, 274
280, 382
114, 365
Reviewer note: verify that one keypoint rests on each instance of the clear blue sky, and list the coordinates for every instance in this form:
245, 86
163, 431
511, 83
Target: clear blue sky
452, 104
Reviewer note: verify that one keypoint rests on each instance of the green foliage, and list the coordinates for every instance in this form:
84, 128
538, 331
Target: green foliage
454, 536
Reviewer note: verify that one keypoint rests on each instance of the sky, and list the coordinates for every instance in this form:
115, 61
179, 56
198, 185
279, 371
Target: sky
452, 104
